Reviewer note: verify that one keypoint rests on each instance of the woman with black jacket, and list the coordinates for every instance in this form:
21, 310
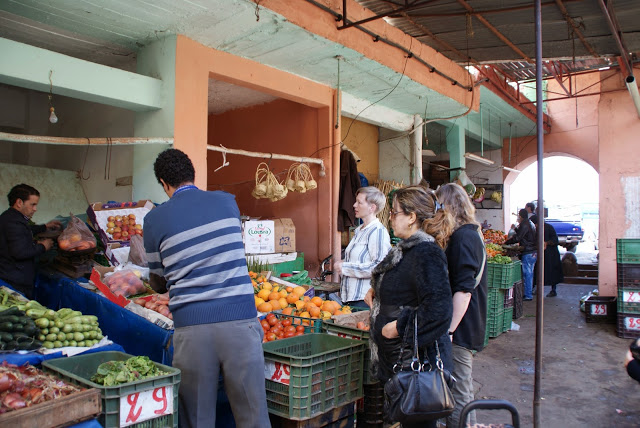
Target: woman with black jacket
412, 280
467, 260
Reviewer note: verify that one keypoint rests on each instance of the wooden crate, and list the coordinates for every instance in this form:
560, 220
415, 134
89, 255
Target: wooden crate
341, 417
60, 412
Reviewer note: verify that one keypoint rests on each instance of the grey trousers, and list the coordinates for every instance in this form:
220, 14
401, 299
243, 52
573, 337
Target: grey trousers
462, 389
202, 352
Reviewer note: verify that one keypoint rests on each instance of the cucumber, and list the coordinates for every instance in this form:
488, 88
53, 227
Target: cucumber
11, 311
11, 345
5, 336
36, 344
31, 330
6, 326
18, 327
19, 334
24, 320
9, 318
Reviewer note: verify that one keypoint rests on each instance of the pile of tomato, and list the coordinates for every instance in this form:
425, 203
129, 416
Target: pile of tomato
276, 328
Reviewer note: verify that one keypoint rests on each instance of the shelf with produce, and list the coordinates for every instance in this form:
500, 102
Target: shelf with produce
488, 196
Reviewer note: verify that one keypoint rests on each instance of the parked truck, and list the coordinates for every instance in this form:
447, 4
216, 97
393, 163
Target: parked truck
570, 232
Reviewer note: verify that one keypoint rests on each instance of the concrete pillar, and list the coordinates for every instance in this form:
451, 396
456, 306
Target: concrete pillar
456, 149
416, 150
157, 59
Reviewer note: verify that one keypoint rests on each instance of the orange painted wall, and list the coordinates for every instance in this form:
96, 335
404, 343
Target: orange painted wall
196, 64
362, 138
618, 130
606, 138
282, 127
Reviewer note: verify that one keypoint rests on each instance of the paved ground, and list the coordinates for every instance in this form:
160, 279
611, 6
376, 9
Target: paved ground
584, 383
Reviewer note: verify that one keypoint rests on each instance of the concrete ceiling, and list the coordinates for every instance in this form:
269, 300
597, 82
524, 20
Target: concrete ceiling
225, 96
110, 32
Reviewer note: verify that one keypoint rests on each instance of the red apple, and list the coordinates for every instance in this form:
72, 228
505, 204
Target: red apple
125, 227
118, 218
132, 216
117, 235
138, 231
117, 229
111, 218
138, 226
110, 225
125, 234
132, 222
119, 223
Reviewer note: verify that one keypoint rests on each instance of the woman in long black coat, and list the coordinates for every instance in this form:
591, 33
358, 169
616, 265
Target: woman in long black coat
552, 263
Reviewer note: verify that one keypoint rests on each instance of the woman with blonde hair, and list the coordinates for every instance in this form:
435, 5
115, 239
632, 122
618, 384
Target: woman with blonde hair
368, 247
411, 281
466, 258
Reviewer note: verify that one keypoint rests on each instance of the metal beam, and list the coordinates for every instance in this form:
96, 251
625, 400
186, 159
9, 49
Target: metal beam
617, 34
495, 31
551, 67
576, 30
29, 67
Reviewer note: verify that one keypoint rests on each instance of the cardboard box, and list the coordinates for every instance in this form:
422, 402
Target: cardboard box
269, 236
98, 213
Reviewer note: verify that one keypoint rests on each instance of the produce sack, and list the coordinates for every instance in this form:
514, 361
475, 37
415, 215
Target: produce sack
76, 236
125, 283
137, 254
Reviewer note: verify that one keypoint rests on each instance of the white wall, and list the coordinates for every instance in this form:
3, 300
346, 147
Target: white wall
27, 112
394, 155
487, 174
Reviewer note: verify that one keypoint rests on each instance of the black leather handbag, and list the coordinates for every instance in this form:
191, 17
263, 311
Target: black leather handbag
419, 392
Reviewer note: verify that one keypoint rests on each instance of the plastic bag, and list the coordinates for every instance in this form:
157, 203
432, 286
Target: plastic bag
76, 236
125, 283
137, 253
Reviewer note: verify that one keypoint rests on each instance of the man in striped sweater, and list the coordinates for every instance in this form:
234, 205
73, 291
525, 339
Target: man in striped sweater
194, 247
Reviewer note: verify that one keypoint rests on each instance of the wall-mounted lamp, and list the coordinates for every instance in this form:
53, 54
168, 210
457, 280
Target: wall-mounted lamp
517, 171
479, 159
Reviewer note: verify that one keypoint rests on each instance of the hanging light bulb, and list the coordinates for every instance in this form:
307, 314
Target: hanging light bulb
52, 117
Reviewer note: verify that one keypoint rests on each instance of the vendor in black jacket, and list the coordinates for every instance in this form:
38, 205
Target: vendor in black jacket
17, 247
526, 237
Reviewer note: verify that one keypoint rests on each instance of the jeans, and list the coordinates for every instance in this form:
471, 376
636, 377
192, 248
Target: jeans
528, 264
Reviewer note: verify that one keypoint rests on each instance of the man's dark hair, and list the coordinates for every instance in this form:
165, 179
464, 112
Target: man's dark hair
174, 167
22, 192
523, 213
530, 205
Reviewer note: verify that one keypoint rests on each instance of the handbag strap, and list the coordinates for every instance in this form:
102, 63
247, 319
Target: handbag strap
415, 361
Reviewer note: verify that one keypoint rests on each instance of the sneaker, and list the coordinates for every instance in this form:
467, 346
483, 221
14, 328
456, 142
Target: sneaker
552, 293
527, 299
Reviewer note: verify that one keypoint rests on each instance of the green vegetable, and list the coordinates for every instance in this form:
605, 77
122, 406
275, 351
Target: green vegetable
6, 336
500, 259
47, 344
54, 330
117, 372
36, 313
42, 322
10, 311
6, 326
68, 328
51, 337
9, 318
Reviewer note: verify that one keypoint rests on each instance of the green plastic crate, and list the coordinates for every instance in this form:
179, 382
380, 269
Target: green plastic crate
501, 275
507, 317
354, 333
486, 336
495, 321
81, 368
495, 300
516, 272
628, 251
324, 372
628, 300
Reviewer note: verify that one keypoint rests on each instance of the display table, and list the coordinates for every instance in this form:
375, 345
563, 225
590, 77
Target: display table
135, 334
35, 358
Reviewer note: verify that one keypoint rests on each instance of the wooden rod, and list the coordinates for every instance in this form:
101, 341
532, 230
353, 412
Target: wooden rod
68, 141
268, 156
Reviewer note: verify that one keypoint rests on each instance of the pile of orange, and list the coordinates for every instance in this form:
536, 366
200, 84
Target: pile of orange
271, 297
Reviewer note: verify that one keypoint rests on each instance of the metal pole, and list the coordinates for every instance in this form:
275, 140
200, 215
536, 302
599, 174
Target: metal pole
540, 226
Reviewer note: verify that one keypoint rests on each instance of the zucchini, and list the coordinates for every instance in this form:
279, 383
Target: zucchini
24, 320
9, 346
55, 330
18, 327
82, 343
68, 328
5, 336
48, 345
36, 344
51, 337
42, 337
19, 334
36, 313
70, 315
32, 304
57, 344
32, 330
42, 322
62, 337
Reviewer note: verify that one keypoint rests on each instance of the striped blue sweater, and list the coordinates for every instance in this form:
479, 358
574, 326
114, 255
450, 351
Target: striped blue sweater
194, 240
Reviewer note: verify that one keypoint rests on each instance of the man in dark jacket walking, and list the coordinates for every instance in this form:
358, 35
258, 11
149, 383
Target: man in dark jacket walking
17, 248
526, 237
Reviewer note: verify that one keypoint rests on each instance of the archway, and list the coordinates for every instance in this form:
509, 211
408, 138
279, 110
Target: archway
571, 193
